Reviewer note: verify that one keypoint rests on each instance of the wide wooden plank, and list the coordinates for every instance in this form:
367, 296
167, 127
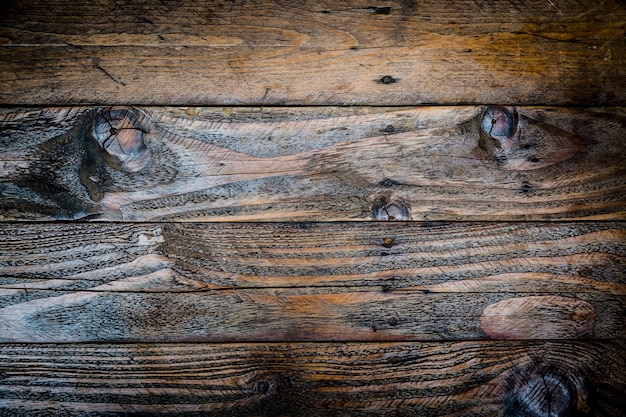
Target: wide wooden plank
429, 163
316, 379
391, 52
316, 281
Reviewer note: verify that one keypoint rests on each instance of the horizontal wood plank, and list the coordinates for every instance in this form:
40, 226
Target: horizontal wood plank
329, 314
316, 281
315, 379
321, 164
391, 52
433, 257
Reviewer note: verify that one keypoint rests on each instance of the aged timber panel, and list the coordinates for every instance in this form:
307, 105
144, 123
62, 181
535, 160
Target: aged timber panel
481, 379
437, 163
315, 282
150, 311
390, 52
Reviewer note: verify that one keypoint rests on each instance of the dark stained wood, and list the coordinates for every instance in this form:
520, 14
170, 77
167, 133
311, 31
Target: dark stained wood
392, 52
346, 281
131, 284
315, 379
322, 164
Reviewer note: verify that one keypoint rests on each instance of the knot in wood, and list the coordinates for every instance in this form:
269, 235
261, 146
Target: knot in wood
387, 209
545, 391
121, 139
267, 385
518, 142
499, 122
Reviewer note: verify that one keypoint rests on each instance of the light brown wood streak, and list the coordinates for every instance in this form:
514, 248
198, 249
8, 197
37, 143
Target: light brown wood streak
296, 379
313, 52
347, 281
441, 163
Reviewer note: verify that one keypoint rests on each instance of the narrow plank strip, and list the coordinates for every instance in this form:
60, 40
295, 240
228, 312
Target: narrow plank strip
305, 314
442, 163
430, 257
315, 52
427, 379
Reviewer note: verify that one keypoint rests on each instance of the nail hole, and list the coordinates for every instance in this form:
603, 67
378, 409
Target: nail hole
387, 79
388, 242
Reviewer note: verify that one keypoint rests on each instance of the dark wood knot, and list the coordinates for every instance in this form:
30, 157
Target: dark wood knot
499, 131
267, 385
516, 142
121, 138
387, 208
499, 122
545, 391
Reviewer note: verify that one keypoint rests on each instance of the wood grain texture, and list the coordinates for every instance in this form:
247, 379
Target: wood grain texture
485, 379
321, 164
279, 282
557, 52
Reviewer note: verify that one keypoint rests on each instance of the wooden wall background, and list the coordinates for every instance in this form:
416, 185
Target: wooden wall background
316, 208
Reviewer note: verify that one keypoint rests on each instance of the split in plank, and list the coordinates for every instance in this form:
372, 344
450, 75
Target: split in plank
345, 281
486, 379
320, 164
61, 52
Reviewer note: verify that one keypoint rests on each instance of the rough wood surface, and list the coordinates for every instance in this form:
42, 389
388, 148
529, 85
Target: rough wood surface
279, 282
485, 379
147, 310
322, 164
390, 52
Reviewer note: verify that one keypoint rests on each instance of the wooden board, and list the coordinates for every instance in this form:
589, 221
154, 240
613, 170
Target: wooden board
321, 164
392, 52
313, 282
485, 379
331, 314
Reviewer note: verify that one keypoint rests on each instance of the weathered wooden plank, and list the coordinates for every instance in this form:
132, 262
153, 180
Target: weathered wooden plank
430, 257
345, 281
392, 52
305, 314
349, 379
433, 163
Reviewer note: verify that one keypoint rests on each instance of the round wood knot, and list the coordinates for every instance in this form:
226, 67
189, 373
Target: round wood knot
387, 209
121, 139
518, 142
499, 122
267, 385
545, 391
